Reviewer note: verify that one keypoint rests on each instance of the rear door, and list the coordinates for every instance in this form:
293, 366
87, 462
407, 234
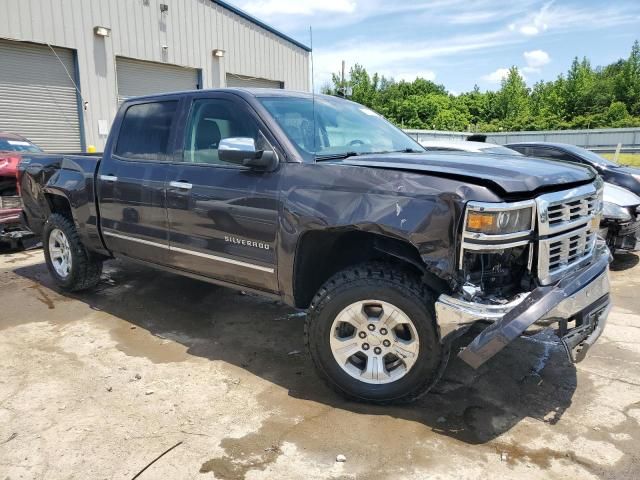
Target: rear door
223, 218
131, 181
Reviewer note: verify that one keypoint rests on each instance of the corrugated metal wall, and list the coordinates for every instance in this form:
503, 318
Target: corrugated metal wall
37, 98
137, 78
190, 30
597, 139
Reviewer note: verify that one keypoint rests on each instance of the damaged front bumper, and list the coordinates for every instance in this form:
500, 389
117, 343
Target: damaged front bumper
579, 303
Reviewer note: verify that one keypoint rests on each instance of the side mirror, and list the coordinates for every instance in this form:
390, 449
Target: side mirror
242, 151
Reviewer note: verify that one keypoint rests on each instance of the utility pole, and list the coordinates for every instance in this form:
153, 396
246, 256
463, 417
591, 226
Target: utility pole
342, 84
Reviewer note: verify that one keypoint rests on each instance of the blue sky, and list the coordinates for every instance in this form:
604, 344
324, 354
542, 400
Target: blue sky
455, 42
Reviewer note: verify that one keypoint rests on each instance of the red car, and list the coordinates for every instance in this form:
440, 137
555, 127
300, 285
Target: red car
12, 230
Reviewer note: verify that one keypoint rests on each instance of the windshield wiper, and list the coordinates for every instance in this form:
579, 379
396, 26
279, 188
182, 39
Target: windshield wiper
407, 150
336, 156
340, 156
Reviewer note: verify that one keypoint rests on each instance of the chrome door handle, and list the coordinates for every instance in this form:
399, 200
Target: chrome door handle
181, 185
108, 178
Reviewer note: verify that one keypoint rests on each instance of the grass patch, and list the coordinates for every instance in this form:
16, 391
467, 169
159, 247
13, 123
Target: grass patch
632, 159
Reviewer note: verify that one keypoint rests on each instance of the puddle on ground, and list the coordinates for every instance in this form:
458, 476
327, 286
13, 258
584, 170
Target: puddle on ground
542, 457
138, 342
43, 296
255, 451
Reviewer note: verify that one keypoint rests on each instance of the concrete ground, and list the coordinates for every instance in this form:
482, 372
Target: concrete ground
97, 385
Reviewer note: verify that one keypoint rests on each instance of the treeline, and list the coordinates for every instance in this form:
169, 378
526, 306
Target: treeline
584, 97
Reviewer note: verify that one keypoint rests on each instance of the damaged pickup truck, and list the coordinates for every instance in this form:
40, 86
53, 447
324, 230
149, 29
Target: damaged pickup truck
323, 204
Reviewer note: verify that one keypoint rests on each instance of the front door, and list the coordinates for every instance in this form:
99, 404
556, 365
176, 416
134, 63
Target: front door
131, 183
223, 217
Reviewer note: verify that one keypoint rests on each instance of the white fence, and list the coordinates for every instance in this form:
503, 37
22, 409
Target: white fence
605, 139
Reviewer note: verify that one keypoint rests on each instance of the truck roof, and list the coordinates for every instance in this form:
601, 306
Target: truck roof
254, 92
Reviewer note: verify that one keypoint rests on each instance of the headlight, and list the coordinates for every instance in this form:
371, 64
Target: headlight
499, 222
615, 212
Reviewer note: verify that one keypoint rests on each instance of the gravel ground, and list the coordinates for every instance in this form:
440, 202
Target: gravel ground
97, 385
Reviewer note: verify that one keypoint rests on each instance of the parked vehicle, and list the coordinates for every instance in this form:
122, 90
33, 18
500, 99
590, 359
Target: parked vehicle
466, 146
12, 230
620, 224
321, 203
610, 171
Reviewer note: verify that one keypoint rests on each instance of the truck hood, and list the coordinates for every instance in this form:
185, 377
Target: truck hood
507, 173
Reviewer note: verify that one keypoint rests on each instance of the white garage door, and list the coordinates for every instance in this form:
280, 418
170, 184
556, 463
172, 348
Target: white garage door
241, 81
137, 78
37, 98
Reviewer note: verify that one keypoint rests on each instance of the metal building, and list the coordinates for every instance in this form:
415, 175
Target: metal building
65, 65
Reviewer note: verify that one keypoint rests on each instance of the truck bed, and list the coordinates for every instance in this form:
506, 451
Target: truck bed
43, 175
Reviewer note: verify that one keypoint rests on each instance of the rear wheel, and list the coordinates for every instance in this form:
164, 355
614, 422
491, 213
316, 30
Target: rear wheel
70, 264
372, 335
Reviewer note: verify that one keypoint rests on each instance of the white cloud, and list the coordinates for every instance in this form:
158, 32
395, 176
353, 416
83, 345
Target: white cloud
397, 59
535, 23
536, 58
531, 30
575, 17
496, 76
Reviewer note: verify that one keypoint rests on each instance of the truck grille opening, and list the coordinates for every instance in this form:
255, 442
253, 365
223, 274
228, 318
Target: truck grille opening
572, 210
565, 224
569, 250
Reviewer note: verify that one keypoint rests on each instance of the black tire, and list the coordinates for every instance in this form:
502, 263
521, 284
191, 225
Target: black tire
384, 283
86, 268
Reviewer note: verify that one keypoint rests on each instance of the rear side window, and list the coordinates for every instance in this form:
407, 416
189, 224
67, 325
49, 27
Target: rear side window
519, 148
145, 130
551, 153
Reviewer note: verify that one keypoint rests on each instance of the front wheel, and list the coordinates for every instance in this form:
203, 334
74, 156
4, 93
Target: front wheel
70, 264
371, 333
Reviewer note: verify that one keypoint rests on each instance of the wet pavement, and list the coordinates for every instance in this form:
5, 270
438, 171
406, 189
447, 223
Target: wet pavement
98, 384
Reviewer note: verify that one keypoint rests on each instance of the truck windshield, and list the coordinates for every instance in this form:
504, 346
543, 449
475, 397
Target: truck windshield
341, 127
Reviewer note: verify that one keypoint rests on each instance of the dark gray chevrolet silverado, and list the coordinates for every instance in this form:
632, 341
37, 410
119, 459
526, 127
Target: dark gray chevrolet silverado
393, 251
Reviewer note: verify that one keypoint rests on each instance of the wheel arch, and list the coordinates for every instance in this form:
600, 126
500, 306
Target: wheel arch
322, 253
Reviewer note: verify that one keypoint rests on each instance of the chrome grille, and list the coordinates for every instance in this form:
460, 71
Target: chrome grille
567, 224
565, 250
10, 202
571, 211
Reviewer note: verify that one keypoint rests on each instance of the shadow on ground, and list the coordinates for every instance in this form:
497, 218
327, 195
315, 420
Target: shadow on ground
266, 338
624, 261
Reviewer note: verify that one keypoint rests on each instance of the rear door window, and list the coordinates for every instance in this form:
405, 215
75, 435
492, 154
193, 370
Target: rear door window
145, 131
552, 153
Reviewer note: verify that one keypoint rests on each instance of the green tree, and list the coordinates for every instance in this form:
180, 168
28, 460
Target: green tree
627, 83
584, 97
512, 101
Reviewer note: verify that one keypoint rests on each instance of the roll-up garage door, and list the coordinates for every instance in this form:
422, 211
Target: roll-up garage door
37, 98
137, 78
234, 80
